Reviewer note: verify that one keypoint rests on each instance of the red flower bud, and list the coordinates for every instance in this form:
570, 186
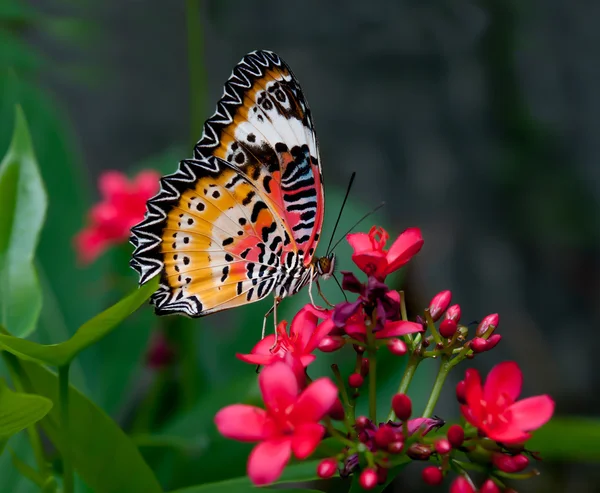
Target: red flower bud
456, 435
355, 380
484, 325
461, 392
439, 303
382, 473
493, 340
395, 447
397, 347
326, 468
337, 411
510, 464
461, 485
362, 422
442, 446
368, 479
384, 436
448, 328
453, 313
479, 345
402, 406
419, 451
432, 475
331, 343
489, 487
364, 367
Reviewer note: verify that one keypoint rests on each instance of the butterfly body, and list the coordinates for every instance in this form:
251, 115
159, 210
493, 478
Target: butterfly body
242, 218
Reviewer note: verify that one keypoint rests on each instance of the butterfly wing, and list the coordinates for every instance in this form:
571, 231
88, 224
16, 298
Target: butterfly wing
263, 126
215, 243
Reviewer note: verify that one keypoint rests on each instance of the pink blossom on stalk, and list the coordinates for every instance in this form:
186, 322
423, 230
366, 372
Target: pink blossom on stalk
493, 408
484, 325
438, 304
453, 313
295, 348
289, 424
122, 206
371, 257
356, 328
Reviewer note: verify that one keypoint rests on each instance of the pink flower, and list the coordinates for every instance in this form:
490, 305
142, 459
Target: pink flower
369, 254
296, 348
355, 327
122, 206
289, 424
494, 408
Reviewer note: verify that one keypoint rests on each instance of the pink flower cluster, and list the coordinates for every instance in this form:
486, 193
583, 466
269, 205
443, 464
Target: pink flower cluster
122, 206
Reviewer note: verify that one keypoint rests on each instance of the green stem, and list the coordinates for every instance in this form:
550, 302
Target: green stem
63, 391
409, 373
431, 326
195, 68
372, 353
445, 367
32, 431
146, 416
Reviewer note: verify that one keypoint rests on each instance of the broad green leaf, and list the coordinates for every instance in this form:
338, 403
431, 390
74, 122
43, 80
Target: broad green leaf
102, 454
305, 471
89, 333
22, 210
27, 471
18, 410
568, 439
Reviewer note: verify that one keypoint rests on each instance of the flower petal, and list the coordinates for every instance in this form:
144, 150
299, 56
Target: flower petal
508, 435
279, 386
314, 402
473, 391
504, 380
344, 310
306, 438
268, 459
243, 422
322, 330
531, 413
398, 328
404, 248
371, 263
304, 325
360, 242
113, 183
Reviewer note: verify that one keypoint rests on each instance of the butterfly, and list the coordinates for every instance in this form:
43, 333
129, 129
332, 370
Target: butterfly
242, 218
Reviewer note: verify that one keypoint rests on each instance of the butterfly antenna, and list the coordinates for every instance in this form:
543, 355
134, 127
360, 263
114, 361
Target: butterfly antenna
357, 223
341, 210
340, 286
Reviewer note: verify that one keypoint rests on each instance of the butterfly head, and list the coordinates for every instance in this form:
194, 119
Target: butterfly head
326, 266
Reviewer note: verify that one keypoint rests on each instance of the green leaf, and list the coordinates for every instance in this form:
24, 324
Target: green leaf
102, 454
305, 471
89, 333
18, 411
27, 471
568, 439
22, 209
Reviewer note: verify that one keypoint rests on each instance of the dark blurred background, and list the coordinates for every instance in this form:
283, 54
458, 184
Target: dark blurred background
475, 121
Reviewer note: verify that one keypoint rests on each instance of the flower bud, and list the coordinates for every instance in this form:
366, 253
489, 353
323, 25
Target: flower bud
453, 313
510, 464
397, 347
419, 451
330, 344
384, 436
362, 422
368, 479
461, 485
447, 328
479, 345
484, 325
382, 473
442, 446
337, 411
395, 447
493, 340
432, 475
439, 304
364, 367
456, 435
489, 487
461, 392
355, 380
402, 406
326, 468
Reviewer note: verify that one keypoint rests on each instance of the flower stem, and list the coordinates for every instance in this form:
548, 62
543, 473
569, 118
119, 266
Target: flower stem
431, 326
195, 68
63, 391
372, 353
409, 373
445, 368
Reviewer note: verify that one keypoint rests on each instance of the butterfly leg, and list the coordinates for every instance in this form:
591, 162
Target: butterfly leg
273, 309
322, 295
